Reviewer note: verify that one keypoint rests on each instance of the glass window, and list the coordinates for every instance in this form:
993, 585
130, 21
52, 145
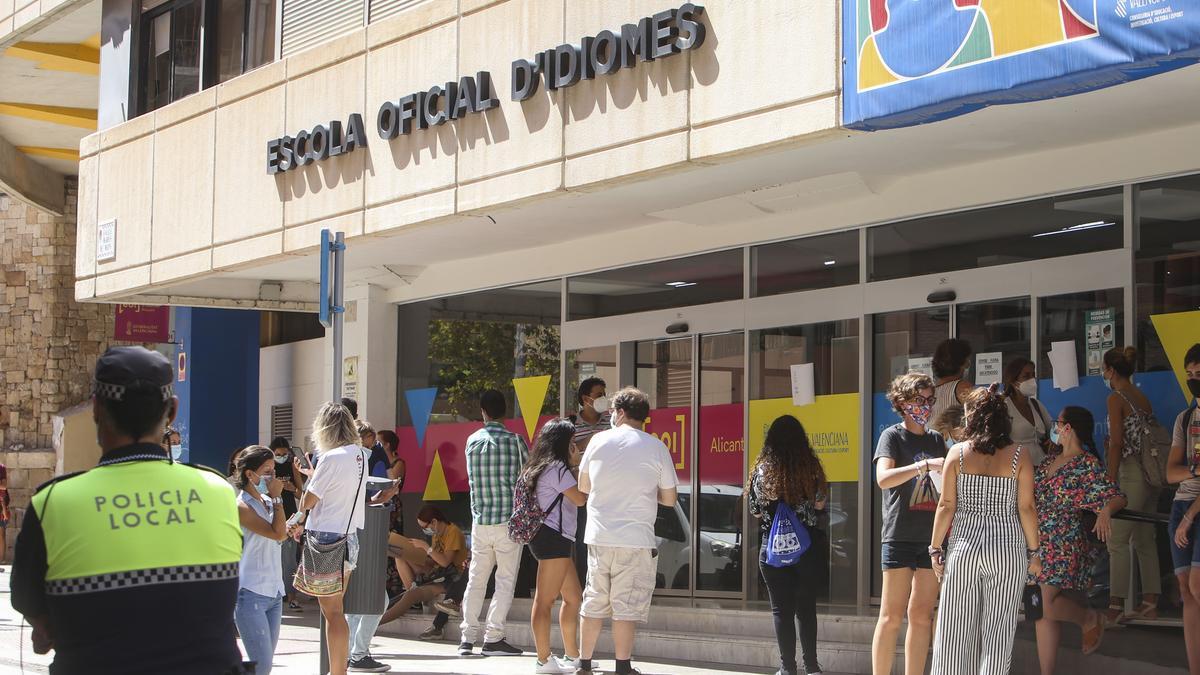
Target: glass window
449, 351
1035, 230
245, 36
696, 280
805, 264
598, 362
997, 331
832, 423
720, 460
1073, 318
1167, 268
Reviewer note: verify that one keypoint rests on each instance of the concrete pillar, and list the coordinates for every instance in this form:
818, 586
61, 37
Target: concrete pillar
369, 342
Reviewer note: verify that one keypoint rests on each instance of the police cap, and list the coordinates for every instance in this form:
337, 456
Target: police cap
122, 369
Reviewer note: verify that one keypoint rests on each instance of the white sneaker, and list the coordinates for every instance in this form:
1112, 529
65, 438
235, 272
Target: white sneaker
553, 665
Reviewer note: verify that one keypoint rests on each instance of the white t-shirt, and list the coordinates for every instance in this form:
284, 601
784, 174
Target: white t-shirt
626, 467
1027, 435
340, 482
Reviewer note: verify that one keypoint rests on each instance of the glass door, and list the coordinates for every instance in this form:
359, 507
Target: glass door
696, 389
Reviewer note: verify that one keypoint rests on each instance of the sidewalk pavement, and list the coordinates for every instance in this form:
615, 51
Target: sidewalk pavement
297, 653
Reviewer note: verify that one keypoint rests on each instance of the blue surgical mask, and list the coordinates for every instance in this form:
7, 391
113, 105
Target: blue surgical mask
1054, 434
1108, 383
262, 484
428, 531
176, 451
281, 459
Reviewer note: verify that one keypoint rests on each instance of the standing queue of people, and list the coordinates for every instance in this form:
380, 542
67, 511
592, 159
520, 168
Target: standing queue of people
985, 500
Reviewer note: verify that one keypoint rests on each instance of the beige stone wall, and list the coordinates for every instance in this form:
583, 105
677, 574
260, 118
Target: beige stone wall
26, 470
213, 207
48, 341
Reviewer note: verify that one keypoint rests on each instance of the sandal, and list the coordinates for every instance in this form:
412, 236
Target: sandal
1146, 610
1092, 637
1115, 611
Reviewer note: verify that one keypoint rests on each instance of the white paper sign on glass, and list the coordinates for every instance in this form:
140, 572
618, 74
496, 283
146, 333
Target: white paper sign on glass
106, 241
988, 366
921, 364
803, 389
1064, 365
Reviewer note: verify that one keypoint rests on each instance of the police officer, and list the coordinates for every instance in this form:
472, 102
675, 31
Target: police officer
131, 567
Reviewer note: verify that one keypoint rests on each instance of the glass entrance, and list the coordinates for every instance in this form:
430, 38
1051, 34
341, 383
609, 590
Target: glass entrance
696, 389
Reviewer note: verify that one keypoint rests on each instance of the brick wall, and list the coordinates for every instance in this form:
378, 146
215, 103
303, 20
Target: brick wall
48, 342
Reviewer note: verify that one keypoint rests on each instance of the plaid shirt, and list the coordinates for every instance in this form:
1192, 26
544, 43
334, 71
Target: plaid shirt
495, 456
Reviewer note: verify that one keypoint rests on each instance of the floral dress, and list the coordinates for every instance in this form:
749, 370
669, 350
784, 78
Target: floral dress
1068, 555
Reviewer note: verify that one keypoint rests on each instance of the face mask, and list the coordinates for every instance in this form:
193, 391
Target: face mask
600, 404
1108, 383
176, 451
966, 371
428, 531
919, 412
1055, 438
281, 459
1194, 387
1028, 388
262, 484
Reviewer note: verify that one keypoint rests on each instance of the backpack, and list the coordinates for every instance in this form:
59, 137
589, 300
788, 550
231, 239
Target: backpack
527, 515
1156, 448
788, 539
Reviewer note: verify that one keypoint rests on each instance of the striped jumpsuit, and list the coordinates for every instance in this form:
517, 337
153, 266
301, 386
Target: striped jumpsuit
985, 574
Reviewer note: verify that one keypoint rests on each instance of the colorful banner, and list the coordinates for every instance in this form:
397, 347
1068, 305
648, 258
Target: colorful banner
142, 323
832, 423
444, 448
909, 62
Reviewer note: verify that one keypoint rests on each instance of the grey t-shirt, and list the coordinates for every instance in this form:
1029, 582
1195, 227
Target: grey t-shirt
907, 510
1189, 440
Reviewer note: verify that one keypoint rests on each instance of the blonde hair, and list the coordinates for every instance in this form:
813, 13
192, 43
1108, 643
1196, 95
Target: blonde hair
950, 422
364, 427
334, 427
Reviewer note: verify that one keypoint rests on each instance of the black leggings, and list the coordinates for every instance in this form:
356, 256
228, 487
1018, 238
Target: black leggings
455, 592
794, 596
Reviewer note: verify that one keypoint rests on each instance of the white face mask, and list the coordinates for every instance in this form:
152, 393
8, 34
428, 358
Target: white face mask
1028, 388
176, 451
600, 404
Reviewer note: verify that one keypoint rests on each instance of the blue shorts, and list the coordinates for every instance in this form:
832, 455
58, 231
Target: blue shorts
1183, 559
896, 555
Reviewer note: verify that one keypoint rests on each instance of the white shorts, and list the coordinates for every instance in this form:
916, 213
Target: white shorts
620, 583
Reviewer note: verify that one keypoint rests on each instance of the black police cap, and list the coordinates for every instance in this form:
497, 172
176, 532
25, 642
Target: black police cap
122, 369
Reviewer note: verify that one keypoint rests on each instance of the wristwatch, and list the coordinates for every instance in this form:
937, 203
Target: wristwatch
277, 500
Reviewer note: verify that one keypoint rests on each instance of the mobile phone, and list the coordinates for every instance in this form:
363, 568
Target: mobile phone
299, 452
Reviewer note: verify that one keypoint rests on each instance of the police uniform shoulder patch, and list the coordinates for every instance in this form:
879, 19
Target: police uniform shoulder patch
57, 479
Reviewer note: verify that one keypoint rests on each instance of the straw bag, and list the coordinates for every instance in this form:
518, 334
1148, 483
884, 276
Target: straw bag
322, 569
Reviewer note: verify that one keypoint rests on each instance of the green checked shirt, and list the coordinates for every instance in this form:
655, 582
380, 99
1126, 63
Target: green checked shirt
495, 456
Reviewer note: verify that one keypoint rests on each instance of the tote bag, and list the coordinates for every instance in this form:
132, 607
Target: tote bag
322, 568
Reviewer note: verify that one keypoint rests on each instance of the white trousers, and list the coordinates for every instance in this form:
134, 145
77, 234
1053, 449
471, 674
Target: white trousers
490, 547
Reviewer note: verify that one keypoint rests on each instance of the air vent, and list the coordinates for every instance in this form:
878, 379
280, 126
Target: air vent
281, 421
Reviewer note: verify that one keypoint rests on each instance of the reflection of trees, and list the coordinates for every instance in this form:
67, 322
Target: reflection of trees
471, 356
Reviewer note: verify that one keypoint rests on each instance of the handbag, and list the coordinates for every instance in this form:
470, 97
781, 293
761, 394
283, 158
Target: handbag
322, 568
1031, 601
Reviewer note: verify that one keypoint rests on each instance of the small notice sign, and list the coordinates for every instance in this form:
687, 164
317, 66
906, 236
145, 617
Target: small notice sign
988, 366
106, 241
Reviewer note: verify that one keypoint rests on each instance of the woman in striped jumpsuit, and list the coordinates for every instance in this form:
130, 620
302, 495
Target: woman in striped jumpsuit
988, 492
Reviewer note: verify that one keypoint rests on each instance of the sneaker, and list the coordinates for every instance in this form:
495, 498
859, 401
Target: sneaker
500, 648
433, 633
451, 607
553, 665
584, 671
368, 665
465, 649
295, 607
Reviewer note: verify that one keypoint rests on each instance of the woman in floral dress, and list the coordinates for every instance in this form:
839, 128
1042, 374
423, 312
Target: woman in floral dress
1067, 483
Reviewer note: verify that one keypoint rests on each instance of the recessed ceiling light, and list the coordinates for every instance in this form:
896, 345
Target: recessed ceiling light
680, 284
829, 262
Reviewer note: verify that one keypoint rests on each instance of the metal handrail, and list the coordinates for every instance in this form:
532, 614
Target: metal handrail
1142, 516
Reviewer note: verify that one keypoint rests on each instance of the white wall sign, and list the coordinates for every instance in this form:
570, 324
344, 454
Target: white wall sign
987, 367
803, 388
106, 241
921, 364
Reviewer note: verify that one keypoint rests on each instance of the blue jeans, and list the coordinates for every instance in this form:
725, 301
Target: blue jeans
257, 618
362, 629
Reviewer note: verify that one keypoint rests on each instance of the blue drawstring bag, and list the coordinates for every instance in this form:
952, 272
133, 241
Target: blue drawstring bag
788, 539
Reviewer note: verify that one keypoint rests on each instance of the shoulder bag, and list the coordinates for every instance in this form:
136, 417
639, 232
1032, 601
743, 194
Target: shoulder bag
322, 568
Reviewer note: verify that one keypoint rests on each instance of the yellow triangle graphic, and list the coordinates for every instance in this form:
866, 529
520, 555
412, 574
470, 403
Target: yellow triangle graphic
436, 489
1177, 332
531, 393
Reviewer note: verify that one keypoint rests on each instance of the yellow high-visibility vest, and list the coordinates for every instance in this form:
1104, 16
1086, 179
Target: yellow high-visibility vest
138, 522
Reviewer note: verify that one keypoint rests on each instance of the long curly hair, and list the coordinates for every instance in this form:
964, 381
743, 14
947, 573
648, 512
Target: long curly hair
791, 471
987, 425
553, 445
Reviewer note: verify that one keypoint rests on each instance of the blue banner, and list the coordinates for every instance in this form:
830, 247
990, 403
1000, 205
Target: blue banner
909, 62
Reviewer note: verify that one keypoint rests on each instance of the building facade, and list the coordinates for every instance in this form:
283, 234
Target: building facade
690, 199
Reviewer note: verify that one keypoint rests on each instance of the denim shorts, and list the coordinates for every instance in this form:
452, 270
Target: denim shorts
351, 544
898, 555
549, 544
1183, 559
